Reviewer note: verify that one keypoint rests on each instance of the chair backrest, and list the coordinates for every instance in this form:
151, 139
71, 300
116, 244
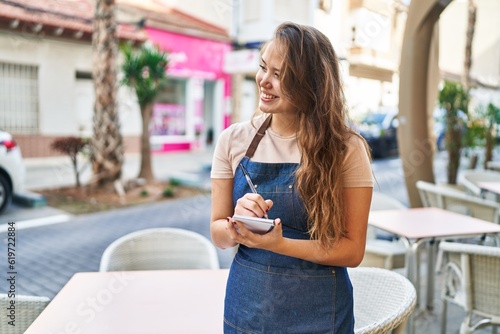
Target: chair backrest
160, 249
471, 277
27, 309
383, 300
469, 179
433, 195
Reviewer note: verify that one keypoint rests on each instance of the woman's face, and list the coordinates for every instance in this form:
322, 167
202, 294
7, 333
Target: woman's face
271, 99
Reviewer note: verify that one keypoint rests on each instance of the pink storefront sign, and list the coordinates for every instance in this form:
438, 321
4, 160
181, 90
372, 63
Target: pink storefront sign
192, 56
189, 57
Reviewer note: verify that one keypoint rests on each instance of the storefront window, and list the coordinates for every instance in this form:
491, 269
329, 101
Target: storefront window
169, 112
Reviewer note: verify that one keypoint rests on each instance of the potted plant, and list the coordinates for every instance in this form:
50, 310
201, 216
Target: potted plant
454, 99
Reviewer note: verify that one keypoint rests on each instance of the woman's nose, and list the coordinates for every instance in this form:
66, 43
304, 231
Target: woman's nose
264, 81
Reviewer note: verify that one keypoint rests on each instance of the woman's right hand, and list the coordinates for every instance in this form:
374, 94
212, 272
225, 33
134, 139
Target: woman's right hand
253, 205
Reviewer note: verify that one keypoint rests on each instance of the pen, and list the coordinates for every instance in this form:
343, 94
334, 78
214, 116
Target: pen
250, 183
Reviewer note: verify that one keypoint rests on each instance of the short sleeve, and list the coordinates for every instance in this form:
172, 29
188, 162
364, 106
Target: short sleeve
357, 171
221, 162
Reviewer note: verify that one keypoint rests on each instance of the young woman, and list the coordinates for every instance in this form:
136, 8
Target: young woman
312, 175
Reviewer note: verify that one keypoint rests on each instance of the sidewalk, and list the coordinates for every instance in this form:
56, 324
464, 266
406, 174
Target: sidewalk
191, 168
58, 171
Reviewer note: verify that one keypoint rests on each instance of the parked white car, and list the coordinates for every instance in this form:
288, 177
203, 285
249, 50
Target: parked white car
12, 169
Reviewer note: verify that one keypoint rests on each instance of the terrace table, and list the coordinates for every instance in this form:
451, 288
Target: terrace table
192, 301
417, 226
491, 186
146, 302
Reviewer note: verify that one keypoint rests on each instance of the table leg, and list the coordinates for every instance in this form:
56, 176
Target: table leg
431, 267
413, 273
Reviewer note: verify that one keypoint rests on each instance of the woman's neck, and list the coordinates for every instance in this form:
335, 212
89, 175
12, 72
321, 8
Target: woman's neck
284, 125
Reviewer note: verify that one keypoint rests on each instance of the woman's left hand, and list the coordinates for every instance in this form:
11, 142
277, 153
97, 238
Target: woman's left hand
240, 234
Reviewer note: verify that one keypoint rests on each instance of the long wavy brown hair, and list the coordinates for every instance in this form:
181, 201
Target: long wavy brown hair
310, 80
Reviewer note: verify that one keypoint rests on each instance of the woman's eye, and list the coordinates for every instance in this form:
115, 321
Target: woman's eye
262, 68
276, 75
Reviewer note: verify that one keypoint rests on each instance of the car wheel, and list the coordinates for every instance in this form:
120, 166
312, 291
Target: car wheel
5, 193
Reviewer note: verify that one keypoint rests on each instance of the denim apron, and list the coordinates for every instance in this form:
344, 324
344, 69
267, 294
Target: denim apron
272, 293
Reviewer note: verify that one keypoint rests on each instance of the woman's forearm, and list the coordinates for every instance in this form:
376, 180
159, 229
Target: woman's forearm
219, 234
345, 253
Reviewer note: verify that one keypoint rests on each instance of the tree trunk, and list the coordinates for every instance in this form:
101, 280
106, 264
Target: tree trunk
146, 171
107, 143
473, 160
490, 144
471, 24
76, 170
454, 148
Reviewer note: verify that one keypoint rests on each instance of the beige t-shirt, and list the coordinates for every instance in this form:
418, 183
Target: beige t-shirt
234, 141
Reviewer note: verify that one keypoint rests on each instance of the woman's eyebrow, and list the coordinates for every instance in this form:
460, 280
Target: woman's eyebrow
274, 68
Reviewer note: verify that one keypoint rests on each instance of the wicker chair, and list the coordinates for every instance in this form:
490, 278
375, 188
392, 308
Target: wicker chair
383, 300
470, 178
380, 252
160, 249
433, 195
471, 277
27, 310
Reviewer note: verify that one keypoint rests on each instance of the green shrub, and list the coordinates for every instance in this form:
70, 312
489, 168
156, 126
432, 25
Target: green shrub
168, 192
174, 182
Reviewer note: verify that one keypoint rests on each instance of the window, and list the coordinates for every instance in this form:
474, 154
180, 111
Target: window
169, 112
19, 98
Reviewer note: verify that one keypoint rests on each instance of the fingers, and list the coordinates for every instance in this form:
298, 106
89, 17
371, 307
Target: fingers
231, 229
241, 235
236, 231
253, 205
269, 204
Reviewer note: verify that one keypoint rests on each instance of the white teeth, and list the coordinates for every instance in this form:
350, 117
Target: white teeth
267, 96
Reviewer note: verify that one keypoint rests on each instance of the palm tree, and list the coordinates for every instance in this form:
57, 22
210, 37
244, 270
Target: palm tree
466, 79
144, 71
454, 99
107, 142
471, 27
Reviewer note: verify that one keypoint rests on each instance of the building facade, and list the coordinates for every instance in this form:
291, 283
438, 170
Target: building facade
46, 86
366, 35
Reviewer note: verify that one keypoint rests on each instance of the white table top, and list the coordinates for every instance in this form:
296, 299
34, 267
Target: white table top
146, 302
492, 186
418, 223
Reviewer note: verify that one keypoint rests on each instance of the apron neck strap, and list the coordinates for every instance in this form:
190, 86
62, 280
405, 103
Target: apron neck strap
257, 138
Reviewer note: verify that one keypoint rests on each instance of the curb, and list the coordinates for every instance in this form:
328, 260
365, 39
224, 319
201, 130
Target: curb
37, 222
29, 199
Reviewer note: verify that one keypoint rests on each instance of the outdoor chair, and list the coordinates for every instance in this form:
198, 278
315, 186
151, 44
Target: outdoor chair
493, 165
434, 195
160, 249
470, 178
443, 197
471, 276
27, 310
383, 300
382, 249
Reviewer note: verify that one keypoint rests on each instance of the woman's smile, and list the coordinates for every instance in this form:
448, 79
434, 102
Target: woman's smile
267, 97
